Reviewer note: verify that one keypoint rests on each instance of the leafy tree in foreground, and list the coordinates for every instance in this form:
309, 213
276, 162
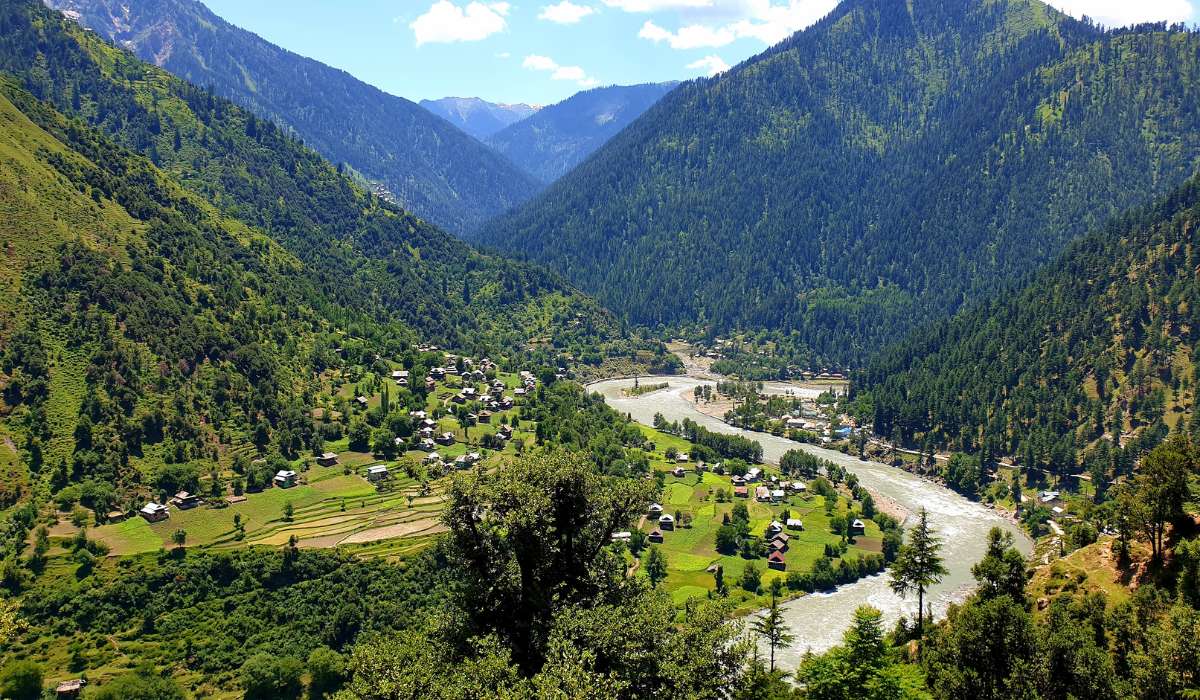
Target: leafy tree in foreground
918, 565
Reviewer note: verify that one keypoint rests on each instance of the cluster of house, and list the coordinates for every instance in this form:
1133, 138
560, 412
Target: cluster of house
157, 512
665, 521
463, 461
773, 491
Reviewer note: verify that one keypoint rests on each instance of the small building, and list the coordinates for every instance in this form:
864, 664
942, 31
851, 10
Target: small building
155, 512
654, 510
485, 417
1048, 496
741, 492
683, 457
762, 493
378, 472
737, 480
361, 401
656, 536
285, 478
799, 486
678, 472
858, 527
116, 516
776, 561
666, 521
754, 474
433, 458
70, 689
327, 459
775, 527
795, 524
623, 536
184, 500
777, 495
445, 439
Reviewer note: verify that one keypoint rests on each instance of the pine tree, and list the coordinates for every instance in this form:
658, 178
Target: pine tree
918, 565
772, 628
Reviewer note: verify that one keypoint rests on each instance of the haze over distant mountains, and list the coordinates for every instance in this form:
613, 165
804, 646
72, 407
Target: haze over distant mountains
477, 117
554, 140
848, 195
431, 168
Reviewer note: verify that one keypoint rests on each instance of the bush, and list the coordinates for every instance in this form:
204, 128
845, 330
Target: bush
267, 677
138, 686
21, 680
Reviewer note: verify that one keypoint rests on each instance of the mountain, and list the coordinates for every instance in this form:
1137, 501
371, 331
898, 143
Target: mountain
425, 164
477, 117
1098, 347
180, 274
845, 196
557, 138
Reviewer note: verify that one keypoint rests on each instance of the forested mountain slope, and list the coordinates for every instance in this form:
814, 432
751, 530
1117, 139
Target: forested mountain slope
559, 137
873, 171
1102, 343
430, 167
477, 117
172, 304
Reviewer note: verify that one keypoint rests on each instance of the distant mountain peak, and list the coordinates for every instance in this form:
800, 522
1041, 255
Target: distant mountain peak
477, 116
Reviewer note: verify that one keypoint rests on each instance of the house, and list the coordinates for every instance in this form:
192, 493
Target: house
506, 402
399, 374
737, 480
485, 417
376, 473
754, 474
418, 415
184, 500
858, 527
433, 458
775, 528
799, 486
70, 689
666, 521
654, 510
762, 493
445, 439
427, 443
683, 457
504, 432
678, 472
795, 524
777, 495
465, 461
783, 538
154, 512
361, 401
285, 478
519, 391
623, 536
656, 536
327, 459
776, 561
116, 516
1048, 496
437, 373
741, 492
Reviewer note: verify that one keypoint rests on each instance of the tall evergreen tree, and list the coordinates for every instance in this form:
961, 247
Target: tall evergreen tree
918, 565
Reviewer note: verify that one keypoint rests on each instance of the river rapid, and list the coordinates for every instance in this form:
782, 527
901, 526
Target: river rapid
819, 620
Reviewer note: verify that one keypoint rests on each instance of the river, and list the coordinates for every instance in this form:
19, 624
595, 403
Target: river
819, 620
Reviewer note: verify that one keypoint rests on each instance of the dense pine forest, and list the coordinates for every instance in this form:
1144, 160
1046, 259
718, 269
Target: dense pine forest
850, 194
428, 166
1094, 351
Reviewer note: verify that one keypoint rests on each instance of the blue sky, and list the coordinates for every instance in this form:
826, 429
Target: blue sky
542, 51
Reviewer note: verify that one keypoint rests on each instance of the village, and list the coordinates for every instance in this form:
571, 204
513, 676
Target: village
370, 498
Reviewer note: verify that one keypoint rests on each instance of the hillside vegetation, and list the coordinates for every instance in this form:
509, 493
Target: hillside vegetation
1097, 350
852, 193
430, 167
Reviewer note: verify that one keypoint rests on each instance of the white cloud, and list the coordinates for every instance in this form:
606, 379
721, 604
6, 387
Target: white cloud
693, 36
711, 65
565, 12
726, 21
657, 5
546, 64
1119, 13
446, 22
504, 55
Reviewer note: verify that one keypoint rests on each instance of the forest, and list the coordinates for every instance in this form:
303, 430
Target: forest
967, 147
